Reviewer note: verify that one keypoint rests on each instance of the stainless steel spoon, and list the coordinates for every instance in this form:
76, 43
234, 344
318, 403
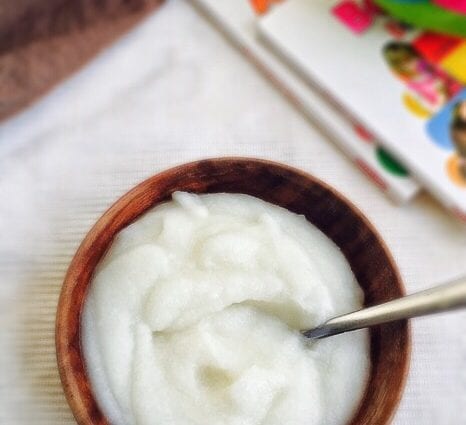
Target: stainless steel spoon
445, 297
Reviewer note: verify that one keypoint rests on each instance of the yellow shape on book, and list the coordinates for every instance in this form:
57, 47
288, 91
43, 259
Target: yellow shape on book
455, 63
415, 107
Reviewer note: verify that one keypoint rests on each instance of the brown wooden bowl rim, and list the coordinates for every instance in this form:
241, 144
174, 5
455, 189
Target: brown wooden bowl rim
62, 341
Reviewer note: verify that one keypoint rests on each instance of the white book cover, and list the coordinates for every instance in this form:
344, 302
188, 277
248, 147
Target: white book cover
237, 19
406, 87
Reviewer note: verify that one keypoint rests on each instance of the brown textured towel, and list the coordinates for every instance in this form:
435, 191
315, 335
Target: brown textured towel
44, 41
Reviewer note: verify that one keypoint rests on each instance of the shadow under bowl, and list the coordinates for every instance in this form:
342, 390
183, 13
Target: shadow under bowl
287, 187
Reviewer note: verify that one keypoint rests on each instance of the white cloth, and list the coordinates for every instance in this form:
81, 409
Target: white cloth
172, 91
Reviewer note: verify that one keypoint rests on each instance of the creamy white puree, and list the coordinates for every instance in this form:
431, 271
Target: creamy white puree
193, 318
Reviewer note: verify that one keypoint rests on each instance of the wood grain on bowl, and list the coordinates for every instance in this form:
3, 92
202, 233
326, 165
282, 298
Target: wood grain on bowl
281, 185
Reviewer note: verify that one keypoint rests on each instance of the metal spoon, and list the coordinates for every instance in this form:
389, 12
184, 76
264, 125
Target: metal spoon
445, 297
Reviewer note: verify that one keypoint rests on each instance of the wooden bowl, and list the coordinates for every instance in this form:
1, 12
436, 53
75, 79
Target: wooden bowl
281, 185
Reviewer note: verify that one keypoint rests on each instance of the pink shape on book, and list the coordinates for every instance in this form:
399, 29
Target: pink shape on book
353, 16
456, 5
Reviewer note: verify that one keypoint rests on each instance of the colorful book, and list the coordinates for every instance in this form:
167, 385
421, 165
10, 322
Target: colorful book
238, 19
406, 87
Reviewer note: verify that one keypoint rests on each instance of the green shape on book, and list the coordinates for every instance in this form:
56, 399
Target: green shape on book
427, 16
390, 164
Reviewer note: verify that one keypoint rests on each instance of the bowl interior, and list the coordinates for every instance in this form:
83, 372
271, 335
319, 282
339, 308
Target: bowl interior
280, 185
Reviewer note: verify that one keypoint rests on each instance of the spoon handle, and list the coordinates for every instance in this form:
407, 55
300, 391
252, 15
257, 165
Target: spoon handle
445, 297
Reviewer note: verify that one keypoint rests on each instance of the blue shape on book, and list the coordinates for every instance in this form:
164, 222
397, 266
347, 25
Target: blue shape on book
438, 127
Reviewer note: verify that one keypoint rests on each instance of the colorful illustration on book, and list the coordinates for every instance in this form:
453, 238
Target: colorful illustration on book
397, 29
357, 16
456, 165
432, 68
454, 168
387, 161
262, 6
390, 163
448, 130
439, 127
441, 66
429, 86
458, 132
458, 6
